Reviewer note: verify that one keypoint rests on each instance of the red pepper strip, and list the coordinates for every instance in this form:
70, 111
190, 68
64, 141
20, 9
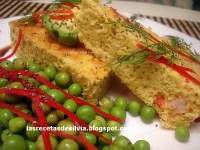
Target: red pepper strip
33, 120
67, 95
149, 50
37, 16
61, 17
4, 50
188, 57
19, 39
177, 68
41, 119
17, 111
49, 100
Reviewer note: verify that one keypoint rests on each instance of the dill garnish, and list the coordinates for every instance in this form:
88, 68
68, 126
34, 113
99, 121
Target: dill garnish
180, 44
26, 20
158, 47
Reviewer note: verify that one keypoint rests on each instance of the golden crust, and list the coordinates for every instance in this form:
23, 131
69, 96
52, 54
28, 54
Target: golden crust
148, 80
92, 74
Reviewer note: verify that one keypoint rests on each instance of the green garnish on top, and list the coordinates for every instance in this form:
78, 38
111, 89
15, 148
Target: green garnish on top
159, 48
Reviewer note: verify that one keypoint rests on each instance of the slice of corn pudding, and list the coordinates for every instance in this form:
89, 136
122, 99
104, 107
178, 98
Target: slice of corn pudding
149, 81
92, 74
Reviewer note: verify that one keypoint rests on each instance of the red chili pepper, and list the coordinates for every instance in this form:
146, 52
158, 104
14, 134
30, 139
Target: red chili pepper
4, 50
18, 42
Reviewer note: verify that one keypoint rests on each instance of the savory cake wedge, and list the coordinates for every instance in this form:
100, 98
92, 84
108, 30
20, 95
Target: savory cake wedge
162, 73
92, 74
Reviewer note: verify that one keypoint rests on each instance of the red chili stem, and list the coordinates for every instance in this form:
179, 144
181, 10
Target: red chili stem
19, 39
4, 50
67, 95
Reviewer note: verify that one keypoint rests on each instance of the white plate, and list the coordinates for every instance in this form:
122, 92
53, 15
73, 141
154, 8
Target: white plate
160, 139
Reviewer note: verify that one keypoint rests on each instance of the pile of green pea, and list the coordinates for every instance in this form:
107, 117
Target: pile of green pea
13, 129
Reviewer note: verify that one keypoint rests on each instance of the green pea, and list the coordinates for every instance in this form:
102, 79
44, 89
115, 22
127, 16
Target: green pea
121, 102
60, 114
101, 119
27, 111
134, 108
50, 71
75, 89
106, 103
105, 148
17, 124
63, 79
96, 125
106, 110
122, 141
31, 145
90, 137
14, 142
44, 88
147, 114
28, 63
70, 105
5, 133
34, 67
52, 118
141, 145
45, 108
42, 74
40, 143
69, 125
86, 113
16, 85
5, 116
182, 134
33, 82
108, 136
58, 96
7, 64
115, 127
19, 64
8, 98
118, 112
3, 82
68, 144
31, 134
115, 147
